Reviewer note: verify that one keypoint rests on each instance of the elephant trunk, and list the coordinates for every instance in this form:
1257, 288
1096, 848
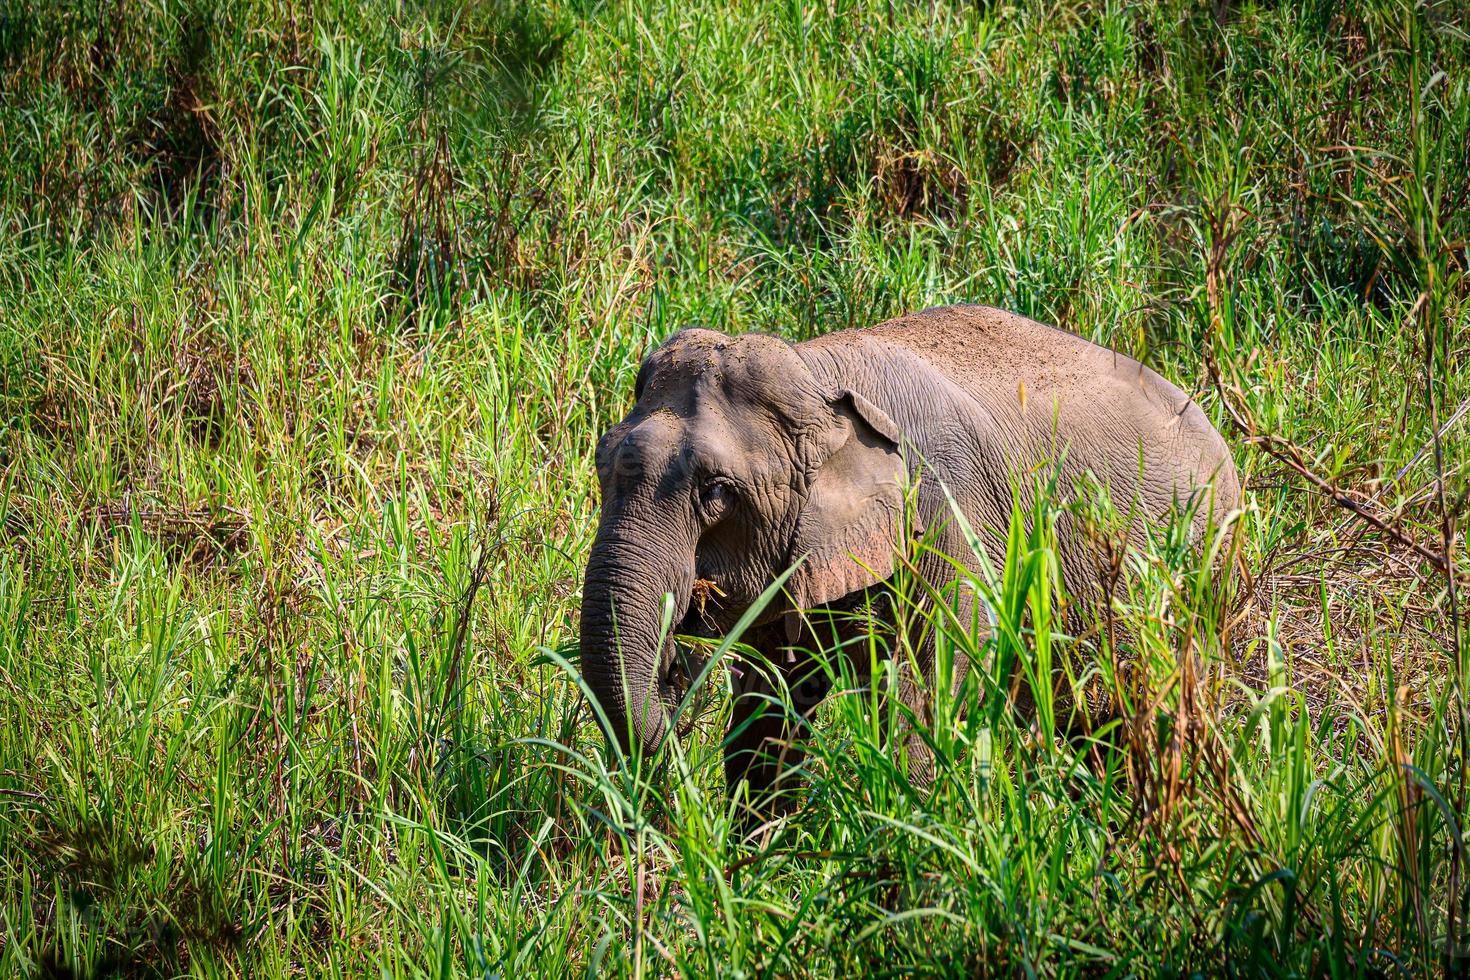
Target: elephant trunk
626, 653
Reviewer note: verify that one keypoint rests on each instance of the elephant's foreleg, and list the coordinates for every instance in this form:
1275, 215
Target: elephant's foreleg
774, 702
919, 680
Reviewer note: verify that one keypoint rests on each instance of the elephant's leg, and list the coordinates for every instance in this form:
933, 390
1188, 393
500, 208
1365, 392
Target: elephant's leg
774, 701
1080, 700
919, 681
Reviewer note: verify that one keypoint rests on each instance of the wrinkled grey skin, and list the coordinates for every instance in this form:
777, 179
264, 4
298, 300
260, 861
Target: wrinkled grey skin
745, 454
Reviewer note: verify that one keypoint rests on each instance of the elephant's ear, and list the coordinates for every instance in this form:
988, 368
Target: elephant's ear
848, 526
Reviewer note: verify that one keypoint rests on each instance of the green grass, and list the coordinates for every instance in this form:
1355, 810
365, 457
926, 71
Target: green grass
310, 315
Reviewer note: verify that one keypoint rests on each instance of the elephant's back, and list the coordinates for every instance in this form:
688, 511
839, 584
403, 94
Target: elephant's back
989, 351
1041, 385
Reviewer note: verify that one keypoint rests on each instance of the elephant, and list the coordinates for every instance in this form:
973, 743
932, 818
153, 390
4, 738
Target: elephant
744, 456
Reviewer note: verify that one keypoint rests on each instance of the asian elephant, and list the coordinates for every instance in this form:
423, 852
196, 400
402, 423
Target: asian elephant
745, 455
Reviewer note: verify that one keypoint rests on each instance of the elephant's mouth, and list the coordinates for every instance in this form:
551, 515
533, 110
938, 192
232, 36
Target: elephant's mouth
705, 609
686, 665
711, 612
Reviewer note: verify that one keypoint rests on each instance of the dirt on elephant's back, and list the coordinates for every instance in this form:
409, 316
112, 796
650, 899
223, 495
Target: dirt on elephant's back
994, 349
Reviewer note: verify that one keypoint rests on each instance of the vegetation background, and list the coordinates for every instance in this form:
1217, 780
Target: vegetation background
310, 314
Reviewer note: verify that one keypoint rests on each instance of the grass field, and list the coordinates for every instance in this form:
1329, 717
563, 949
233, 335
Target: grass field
310, 316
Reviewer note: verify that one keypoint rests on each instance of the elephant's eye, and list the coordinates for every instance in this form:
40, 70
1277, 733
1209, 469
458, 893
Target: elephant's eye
713, 496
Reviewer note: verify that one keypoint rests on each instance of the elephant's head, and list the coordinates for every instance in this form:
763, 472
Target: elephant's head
735, 463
